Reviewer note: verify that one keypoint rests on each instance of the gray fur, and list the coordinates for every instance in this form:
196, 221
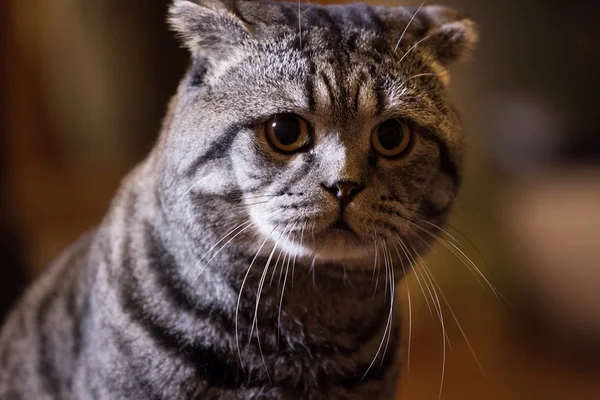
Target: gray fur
159, 301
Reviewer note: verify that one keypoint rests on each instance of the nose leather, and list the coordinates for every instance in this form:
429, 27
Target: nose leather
344, 191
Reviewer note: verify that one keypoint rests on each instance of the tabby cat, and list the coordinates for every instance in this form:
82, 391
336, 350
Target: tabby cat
308, 155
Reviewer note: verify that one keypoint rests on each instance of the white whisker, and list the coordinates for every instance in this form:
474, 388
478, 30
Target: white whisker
458, 324
388, 325
434, 282
299, 24
312, 271
466, 260
258, 296
418, 76
237, 307
412, 262
444, 334
287, 268
275, 266
187, 192
434, 297
392, 283
248, 224
408, 25
412, 48
409, 308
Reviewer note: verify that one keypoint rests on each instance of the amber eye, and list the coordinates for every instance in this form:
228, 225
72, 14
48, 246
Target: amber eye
288, 133
391, 138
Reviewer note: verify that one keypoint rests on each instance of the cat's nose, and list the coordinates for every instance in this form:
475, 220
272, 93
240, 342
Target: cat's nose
345, 191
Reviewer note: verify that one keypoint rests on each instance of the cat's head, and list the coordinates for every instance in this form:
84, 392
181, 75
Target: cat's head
323, 128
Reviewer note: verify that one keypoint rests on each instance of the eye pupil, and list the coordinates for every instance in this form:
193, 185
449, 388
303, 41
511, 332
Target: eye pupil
288, 133
287, 130
392, 138
390, 134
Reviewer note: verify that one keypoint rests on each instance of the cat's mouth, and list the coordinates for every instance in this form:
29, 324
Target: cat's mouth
341, 225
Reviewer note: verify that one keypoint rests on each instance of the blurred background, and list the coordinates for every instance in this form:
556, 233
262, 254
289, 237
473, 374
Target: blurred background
84, 85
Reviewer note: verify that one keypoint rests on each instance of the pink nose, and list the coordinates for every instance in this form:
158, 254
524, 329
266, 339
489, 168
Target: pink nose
345, 191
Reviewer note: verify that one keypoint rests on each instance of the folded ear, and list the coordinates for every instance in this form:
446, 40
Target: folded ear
450, 35
207, 27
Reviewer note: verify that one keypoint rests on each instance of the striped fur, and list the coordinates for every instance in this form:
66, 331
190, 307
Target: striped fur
215, 274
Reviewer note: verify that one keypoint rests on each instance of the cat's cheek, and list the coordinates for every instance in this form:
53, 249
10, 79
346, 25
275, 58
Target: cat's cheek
443, 193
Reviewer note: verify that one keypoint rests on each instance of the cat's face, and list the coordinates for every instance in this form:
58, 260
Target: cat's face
321, 130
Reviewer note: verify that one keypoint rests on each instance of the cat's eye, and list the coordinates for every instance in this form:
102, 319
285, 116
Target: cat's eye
392, 138
288, 133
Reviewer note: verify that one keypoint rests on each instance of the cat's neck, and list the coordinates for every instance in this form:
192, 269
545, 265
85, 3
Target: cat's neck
286, 294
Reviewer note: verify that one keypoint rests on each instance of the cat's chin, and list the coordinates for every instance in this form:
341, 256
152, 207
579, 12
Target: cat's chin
339, 244
332, 245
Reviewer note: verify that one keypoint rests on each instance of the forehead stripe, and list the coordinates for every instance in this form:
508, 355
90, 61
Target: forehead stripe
309, 88
328, 88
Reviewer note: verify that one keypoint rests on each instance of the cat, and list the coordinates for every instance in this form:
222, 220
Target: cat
308, 156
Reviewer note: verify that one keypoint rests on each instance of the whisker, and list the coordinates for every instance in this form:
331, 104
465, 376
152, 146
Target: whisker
262, 196
248, 224
434, 282
285, 257
289, 233
299, 24
376, 255
302, 235
459, 206
287, 268
378, 275
444, 333
385, 260
466, 260
237, 307
418, 76
388, 325
412, 263
262, 279
460, 255
434, 298
258, 296
465, 237
187, 192
491, 218
281, 251
294, 267
454, 317
485, 263
412, 48
409, 308
392, 283
407, 25
246, 205
312, 271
